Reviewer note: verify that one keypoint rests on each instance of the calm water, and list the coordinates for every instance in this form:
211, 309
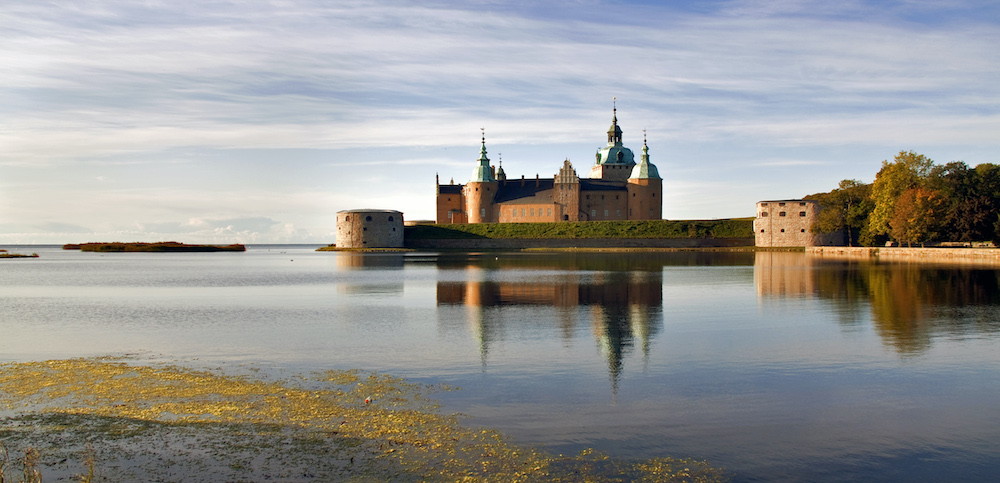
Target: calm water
774, 366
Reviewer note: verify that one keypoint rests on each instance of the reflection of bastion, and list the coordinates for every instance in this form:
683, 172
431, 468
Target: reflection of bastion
369, 229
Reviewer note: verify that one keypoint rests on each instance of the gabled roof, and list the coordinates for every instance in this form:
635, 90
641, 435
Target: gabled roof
532, 191
587, 184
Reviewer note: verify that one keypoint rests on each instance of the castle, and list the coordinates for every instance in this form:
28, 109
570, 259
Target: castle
618, 189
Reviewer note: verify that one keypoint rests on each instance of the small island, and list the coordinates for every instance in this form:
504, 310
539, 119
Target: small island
6, 254
170, 246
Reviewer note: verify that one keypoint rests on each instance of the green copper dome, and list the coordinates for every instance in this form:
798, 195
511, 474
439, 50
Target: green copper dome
645, 169
483, 172
615, 152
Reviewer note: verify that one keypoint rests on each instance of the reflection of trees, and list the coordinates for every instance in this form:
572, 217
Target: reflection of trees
909, 303
623, 307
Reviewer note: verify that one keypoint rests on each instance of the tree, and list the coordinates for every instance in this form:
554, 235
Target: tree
845, 208
907, 171
917, 216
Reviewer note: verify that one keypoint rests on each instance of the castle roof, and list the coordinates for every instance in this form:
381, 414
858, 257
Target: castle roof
483, 172
615, 153
645, 169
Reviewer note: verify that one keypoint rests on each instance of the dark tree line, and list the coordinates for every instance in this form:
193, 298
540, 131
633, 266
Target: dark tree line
913, 201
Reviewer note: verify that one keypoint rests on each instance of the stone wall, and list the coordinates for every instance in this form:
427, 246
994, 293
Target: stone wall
940, 255
520, 243
369, 229
788, 223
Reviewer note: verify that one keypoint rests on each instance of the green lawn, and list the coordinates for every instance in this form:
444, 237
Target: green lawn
728, 228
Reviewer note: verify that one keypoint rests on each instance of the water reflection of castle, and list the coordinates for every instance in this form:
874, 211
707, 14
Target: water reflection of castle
623, 308
909, 304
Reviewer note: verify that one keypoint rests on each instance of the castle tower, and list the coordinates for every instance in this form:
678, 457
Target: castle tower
614, 161
566, 193
645, 189
480, 191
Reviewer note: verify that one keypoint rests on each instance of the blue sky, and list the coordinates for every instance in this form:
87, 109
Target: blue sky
256, 121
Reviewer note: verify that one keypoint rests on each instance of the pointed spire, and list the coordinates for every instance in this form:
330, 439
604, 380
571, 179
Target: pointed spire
483, 173
482, 152
614, 132
645, 169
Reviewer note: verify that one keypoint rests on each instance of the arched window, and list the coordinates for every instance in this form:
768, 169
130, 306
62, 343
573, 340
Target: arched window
390, 218
368, 218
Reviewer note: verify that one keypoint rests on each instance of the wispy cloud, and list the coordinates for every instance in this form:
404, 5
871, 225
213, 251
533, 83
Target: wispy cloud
125, 86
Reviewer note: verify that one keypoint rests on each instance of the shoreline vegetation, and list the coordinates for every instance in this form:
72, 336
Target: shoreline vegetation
725, 228
111, 419
170, 246
6, 254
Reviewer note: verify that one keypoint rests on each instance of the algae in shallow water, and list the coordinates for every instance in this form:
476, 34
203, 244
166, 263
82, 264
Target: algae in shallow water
177, 423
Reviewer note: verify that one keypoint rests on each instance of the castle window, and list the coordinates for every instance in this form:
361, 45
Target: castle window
782, 230
781, 204
602, 197
618, 213
394, 229
347, 218
390, 218
605, 213
803, 230
633, 195
513, 213
368, 218
593, 213
616, 197
803, 203
588, 197
482, 212
364, 229
763, 214
653, 195
548, 212
762, 230
802, 213
781, 213
522, 211
532, 212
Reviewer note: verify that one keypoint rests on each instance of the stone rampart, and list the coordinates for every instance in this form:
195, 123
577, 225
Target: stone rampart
938, 255
521, 243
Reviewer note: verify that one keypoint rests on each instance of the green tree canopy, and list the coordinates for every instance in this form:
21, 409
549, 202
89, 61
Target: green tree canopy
907, 171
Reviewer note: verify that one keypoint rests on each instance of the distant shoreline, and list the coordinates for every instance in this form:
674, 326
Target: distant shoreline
153, 247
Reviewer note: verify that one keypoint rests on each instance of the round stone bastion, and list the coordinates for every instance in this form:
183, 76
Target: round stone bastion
369, 229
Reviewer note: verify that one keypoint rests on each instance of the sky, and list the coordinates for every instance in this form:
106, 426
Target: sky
239, 121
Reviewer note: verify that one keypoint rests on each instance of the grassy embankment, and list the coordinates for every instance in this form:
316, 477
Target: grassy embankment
145, 423
152, 247
728, 228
